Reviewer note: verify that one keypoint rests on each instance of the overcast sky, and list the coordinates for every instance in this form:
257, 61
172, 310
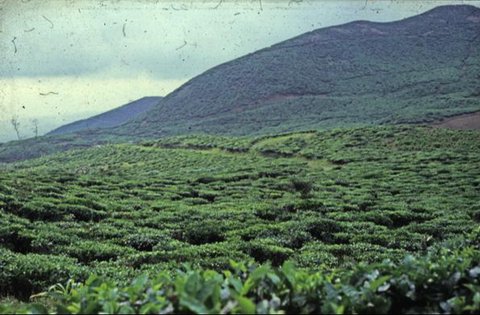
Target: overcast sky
67, 60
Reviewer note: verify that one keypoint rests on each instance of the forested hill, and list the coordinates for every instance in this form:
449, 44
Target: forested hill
414, 70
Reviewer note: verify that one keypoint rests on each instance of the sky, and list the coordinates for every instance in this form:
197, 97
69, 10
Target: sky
65, 60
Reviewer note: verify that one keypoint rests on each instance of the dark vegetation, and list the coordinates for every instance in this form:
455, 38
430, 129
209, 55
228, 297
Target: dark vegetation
417, 70
323, 200
444, 281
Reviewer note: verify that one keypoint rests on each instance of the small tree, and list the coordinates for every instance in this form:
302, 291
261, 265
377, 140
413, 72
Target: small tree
16, 125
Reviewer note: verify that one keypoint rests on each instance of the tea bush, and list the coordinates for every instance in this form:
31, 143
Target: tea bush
444, 281
320, 199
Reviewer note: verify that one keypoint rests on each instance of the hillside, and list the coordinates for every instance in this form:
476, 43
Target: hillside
410, 71
331, 199
111, 118
417, 70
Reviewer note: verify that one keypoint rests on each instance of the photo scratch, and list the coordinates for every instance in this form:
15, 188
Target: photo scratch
218, 4
294, 1
14, 45
183, 45
182, 7
48, 20
48, 93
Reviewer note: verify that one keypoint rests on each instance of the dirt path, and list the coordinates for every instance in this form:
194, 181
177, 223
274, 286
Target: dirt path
463, 122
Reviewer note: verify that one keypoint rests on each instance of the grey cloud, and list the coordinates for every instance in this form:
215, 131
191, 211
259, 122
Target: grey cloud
166, 39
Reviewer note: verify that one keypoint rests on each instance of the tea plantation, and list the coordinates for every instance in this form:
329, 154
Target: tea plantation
313, 215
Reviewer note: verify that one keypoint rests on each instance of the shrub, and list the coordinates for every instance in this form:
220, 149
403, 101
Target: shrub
40, 210
322, 229
24, 275
203, 233
302, 186
275, 214
88, 251
82, 213
265, 249
444, 281
144, 242
15, 238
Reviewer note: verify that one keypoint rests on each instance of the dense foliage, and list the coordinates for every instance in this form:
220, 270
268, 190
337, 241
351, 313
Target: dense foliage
331, 199
445, 281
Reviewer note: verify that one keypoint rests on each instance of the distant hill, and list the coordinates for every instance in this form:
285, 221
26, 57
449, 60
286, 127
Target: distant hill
111, 118
417, 70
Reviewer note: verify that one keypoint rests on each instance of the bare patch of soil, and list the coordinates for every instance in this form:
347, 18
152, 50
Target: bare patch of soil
463, 122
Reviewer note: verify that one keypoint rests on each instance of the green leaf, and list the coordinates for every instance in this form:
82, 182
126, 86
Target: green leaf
246, 305
193, 305
274, 278
375, 284
140, 281
37, 309
288, 269
236, 283
260, 272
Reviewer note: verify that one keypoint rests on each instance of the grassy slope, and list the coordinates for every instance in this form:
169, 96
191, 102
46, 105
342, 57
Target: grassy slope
330, 198
415, 70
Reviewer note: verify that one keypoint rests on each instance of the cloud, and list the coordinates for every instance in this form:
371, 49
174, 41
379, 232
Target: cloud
167, 39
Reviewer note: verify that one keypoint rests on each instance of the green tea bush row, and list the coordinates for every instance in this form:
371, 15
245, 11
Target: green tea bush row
444, 281
126, 209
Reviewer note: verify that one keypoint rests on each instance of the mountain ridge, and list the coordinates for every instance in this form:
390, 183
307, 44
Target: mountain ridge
111, 118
